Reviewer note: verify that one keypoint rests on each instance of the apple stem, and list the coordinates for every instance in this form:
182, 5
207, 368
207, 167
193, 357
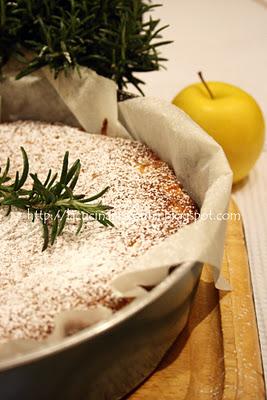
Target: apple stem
205, 84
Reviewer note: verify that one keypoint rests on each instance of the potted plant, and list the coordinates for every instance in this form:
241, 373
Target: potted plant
117, 39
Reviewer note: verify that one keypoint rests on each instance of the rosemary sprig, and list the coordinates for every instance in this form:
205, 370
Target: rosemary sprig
52, 199
115, 38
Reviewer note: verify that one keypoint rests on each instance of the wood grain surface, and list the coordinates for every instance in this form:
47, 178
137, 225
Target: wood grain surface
217, 356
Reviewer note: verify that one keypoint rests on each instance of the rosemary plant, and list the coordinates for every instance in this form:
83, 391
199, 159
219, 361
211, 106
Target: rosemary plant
112, 37
53, 198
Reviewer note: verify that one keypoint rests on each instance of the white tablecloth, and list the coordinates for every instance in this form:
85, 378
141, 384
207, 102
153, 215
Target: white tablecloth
227, 41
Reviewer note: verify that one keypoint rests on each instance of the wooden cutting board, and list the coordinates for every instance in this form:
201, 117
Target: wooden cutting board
217, 356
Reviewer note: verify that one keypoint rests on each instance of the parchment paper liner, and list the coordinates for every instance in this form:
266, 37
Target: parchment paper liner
196, 158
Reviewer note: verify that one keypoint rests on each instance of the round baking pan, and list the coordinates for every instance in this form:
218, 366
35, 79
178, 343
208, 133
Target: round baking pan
109, 359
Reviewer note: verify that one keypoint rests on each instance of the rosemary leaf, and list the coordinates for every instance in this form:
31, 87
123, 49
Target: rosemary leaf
51, 200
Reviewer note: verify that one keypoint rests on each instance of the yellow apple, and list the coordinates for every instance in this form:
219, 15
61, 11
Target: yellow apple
231, 116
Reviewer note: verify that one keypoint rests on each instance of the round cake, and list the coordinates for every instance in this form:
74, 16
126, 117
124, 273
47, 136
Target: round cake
148, 203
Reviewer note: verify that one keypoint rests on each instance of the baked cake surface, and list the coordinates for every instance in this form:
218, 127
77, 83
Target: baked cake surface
149, 205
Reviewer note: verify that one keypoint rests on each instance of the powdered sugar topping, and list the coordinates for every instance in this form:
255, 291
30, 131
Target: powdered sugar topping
148, 202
